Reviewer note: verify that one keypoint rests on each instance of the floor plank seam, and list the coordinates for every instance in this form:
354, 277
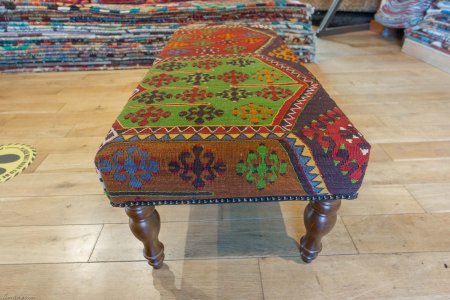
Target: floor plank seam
260, 279
95, 244
58, 225
220, 258
415, 199
348, 232
384, 214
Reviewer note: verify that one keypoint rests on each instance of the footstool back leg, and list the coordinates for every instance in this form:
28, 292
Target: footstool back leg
320, 217
145, 224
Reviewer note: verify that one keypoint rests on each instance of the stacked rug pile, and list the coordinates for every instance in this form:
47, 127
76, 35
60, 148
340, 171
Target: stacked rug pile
402, 13
45, 35
434, 30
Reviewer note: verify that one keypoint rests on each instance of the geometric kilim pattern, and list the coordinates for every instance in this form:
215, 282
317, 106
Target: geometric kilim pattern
228, 114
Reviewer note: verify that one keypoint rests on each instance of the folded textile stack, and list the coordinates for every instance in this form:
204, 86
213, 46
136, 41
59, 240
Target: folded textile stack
44, 35
402, 13
434, 30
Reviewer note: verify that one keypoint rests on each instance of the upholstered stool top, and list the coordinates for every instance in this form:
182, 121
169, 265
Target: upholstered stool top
228, 114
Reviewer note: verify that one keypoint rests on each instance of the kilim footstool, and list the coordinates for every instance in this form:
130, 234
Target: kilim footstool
228, 114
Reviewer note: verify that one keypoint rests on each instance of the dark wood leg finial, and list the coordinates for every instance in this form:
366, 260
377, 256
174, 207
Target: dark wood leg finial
320, 217
145, 224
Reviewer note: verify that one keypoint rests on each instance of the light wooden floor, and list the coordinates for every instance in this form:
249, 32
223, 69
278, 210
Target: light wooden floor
60, 239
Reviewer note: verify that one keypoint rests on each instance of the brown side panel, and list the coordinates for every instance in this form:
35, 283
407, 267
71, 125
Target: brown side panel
149, 171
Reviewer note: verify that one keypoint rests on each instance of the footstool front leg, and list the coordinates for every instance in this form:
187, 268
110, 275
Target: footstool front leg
320, 217
145, 224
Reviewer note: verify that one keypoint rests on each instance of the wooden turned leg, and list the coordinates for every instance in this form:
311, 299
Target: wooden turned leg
145, 224
320, 217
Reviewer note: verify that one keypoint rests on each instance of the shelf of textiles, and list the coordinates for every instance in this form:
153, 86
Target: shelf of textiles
51, 36
434, 30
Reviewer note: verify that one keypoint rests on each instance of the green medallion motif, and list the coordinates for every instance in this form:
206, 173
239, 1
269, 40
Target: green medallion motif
256, 169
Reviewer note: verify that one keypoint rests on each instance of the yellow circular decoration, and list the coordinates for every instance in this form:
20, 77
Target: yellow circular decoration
14, 158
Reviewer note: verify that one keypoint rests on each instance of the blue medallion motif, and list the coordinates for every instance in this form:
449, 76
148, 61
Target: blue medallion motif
133, 164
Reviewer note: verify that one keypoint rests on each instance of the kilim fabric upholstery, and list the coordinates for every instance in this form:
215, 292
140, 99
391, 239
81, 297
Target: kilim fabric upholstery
228, 114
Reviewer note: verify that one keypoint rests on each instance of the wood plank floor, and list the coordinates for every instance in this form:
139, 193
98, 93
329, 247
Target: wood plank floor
60, 239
